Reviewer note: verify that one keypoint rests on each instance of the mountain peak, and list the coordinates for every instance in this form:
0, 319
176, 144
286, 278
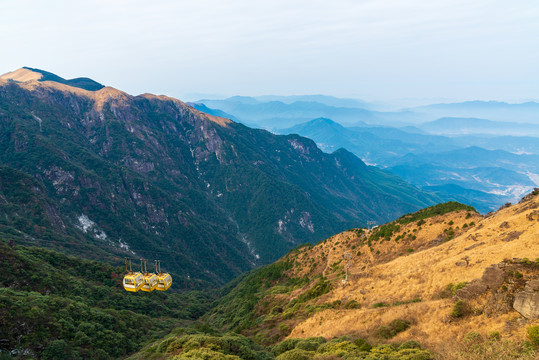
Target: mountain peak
26, 74
22, 75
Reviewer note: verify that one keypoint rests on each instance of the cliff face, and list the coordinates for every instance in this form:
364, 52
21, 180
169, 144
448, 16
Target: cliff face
103, 173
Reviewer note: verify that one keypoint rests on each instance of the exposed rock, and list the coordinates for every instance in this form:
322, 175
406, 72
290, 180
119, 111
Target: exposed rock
530, 196
513, 235
475, 245
501, 302
493, 277
527, 301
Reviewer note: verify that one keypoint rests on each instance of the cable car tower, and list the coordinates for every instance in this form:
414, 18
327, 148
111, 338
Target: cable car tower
348, 257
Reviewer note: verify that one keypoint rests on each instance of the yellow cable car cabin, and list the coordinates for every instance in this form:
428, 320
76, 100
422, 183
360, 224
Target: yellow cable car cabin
150, 279
133, 281
150, 282
164, 280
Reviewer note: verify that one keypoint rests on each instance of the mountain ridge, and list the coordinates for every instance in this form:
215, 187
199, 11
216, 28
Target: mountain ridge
148, 174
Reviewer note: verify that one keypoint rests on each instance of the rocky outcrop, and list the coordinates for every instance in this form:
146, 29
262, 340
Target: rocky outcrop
527, 301
492, 279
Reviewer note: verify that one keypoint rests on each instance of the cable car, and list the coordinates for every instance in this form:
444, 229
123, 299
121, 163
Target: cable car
150, 279
133, 281
164, 280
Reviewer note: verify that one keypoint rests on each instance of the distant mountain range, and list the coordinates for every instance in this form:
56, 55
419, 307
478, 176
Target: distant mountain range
527, 112
105, 174
446, 165
275, 112
452, 126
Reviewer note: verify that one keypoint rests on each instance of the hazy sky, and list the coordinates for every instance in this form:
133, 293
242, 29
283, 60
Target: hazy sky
379, 49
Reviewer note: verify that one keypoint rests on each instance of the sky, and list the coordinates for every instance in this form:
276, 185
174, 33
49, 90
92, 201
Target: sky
378, 50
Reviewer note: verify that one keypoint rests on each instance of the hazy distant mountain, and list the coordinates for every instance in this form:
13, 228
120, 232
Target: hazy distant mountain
277, 114
514, 144
496, 172
376, 145
482, 201
322, 99
215, 112
436, 163
452, 126
493, 110
464, 158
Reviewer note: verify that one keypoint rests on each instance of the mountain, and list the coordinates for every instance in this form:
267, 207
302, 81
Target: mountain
452, 126
448, 166
513, 144
28, 74
104, 174
272, 113
322, 99
527, 112
460, 158
373, 144
441, 283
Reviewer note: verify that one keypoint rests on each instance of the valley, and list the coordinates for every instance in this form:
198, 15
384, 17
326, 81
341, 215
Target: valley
280, 247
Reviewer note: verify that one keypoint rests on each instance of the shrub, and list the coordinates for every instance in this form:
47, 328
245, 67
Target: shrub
458, 309
380, 304
393, 328
494, 335
337, 347
362, 345
57, 349
296, 354
320, 288
451, 289
204, 354
410, 344
352, 304
310, 344
284, 329
284, 346
533, 334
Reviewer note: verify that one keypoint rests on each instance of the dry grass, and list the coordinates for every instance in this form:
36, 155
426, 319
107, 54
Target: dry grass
422, 273
22, 75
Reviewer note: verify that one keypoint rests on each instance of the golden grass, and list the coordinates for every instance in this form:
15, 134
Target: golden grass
22, 75
422, 274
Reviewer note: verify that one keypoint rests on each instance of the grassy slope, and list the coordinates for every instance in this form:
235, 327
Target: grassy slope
402, 275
